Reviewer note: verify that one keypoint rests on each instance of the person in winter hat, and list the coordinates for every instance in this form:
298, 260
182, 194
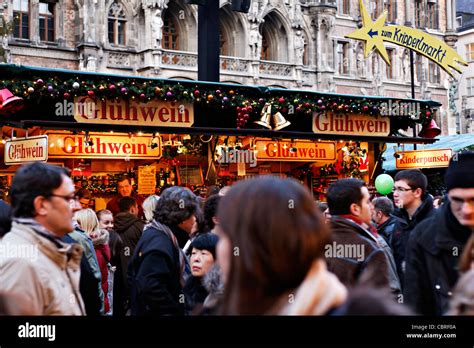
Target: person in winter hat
435, 246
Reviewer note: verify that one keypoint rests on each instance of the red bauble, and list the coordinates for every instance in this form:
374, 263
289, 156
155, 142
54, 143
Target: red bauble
90, 93
281, 100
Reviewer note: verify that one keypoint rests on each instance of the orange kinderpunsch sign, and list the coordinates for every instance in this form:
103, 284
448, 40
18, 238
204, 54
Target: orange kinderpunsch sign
132, 113
301, 150
104, 145
424, 159
351, 124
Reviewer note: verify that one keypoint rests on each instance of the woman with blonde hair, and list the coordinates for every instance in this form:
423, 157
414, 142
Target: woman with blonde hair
149, 206
89, 223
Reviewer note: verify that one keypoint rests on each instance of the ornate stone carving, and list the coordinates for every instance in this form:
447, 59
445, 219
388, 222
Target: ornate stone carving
119, 60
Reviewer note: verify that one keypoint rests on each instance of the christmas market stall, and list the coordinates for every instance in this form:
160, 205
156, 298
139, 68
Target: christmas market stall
169, 132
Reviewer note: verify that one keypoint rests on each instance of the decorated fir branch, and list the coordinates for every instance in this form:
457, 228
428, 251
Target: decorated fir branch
244, 106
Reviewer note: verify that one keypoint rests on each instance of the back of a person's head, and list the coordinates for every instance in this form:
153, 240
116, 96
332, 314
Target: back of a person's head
462, 302
278, 232
212, 190
460, 171
5, 218
175, 205
149, 205
33, 180
383, 204
88, 220
342, 194
414, 178
126, 203
210, 210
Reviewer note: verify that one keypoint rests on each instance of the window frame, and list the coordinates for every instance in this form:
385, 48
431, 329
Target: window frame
389, 67
470, 52
20, 13
168, 19
345, 55
470, 86
47, 17
116, 21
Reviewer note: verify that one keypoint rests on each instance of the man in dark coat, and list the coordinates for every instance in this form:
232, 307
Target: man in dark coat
353, 253
129, 228
157, 270
414, 205
435, 245
5, 218
383, 218
125, 189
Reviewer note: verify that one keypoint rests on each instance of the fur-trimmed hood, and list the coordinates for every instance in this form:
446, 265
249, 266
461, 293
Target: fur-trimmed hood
100, 237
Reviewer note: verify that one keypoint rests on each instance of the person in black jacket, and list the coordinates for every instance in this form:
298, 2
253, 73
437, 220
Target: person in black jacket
363, 259
436, 244
158, 269
383, 218
5, 218
414, 205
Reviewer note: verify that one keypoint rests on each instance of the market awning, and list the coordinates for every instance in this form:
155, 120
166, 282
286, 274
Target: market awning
453, 142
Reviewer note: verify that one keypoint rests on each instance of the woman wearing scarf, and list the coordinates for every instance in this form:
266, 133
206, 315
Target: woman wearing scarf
270, 250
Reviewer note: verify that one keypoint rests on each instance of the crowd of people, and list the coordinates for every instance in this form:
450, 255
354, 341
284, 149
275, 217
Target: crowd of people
259, 247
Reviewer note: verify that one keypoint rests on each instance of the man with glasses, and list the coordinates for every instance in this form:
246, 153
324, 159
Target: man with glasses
435, 246
414, 205
36, 266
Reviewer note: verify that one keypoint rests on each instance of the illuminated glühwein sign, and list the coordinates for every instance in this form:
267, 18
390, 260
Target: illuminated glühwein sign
301, 150
102, 145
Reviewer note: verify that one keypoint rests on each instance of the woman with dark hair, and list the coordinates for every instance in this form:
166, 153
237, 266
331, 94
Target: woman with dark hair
157, 270
271, 246
203, 257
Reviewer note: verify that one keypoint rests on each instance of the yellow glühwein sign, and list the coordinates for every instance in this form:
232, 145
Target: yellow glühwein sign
350, 124
301, 150
132, 113
105, 146
424, 159
375, 33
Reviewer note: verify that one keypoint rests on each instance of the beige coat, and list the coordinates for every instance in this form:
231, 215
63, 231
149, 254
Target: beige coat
42, 277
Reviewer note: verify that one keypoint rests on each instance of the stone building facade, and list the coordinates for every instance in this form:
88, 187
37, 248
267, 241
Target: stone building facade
283, 43
462, 90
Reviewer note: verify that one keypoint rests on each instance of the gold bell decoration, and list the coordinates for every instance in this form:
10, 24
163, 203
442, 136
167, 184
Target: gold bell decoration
265, 120
279, 122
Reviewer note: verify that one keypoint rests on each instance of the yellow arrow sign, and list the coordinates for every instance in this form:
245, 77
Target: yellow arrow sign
375, 33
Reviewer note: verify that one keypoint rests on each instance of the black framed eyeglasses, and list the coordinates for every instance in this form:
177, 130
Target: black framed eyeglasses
402, 189
70, 198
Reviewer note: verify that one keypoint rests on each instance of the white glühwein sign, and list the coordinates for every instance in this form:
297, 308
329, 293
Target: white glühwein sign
23, 150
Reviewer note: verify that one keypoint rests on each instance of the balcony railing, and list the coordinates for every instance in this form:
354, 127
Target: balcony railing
232, 65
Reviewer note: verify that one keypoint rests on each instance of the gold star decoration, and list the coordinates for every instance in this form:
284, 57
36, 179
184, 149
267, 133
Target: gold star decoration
371, 33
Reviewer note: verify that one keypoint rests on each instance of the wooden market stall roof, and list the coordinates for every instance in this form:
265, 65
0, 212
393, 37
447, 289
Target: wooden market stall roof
218, 108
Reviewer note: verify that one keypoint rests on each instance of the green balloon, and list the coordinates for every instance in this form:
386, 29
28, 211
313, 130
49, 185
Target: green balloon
384, 184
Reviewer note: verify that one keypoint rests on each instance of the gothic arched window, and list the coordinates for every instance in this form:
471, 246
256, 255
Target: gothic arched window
117, 22
170, 32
